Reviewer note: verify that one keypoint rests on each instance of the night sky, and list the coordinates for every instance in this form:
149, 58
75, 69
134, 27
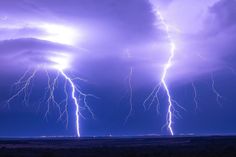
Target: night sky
97, 43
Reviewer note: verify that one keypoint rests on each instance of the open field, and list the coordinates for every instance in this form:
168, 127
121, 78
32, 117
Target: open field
212, 146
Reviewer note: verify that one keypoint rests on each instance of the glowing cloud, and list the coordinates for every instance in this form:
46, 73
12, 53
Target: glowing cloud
60, 61
60, 34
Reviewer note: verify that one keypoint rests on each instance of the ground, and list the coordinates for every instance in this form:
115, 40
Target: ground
208, 146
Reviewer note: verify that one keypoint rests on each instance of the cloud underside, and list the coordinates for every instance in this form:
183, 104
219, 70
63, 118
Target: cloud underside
124, 32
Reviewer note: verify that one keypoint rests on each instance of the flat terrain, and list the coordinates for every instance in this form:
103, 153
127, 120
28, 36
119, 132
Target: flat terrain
214, 146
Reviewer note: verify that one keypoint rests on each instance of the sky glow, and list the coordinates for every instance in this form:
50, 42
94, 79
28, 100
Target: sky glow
127, 67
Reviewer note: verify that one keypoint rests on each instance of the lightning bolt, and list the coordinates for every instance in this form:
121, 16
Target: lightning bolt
218, 95
24, 86
75, 101
163, 80
25, 81
163, 83
195, 96
51, 90
57, 61
130, 94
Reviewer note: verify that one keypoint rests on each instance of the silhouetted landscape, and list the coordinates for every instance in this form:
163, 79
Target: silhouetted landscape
214, 146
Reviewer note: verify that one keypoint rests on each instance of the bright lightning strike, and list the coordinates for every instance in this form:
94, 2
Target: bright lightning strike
23, 86
56, 62
165, 71
75, 101
154, 94
163, 80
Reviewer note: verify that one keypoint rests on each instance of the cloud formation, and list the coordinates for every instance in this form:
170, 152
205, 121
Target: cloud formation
120, 34
203, 31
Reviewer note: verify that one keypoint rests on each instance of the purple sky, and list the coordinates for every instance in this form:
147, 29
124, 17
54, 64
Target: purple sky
107, 30
100, 40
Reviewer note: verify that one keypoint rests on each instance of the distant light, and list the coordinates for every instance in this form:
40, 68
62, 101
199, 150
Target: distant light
60, 34
59, 61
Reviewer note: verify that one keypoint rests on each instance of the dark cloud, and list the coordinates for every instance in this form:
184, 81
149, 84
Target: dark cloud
225, 12
110, 27
133, 17
16, 46
223, 15
110, 24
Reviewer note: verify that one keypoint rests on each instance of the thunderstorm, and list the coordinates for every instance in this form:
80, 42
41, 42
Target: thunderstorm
117, 68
